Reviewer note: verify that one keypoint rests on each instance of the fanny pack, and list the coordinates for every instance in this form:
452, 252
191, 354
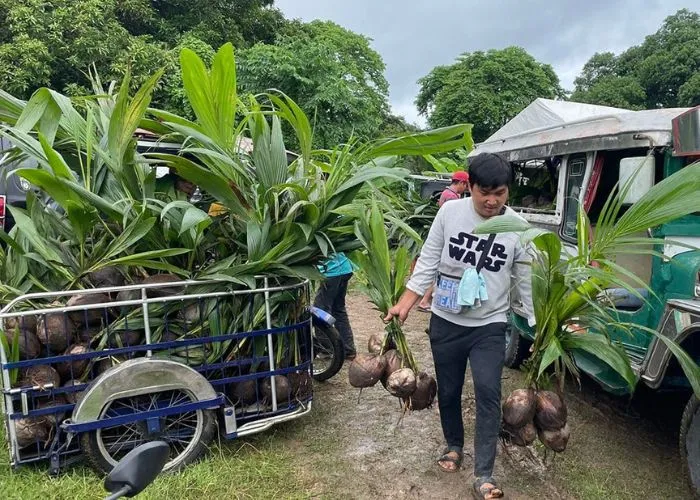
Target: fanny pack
453, 293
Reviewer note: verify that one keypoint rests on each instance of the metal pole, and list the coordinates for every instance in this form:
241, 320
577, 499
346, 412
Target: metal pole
146, 322
270, 347
9, 407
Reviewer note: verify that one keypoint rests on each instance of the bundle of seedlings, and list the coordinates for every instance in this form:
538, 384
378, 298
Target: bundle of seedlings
568, 295
389, 359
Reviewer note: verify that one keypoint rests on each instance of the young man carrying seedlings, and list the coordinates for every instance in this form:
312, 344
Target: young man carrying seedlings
475, 274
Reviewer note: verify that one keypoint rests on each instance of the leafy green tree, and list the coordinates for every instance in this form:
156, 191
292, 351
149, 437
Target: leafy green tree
664, 68
55, 43
689, 93
331, 72
486, 89
612, 90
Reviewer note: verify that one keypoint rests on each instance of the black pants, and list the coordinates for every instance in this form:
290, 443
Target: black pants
484, 347
331, 298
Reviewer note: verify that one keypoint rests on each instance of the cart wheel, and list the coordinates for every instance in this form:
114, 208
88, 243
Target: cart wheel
329, 353
188, 433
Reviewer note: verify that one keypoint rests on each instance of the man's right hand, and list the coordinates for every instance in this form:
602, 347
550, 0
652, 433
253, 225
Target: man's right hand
397, 311
402, 307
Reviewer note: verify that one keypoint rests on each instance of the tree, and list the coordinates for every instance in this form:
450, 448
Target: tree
661, 67
612, 90
332, 73
689, 93
56, 43
486, 89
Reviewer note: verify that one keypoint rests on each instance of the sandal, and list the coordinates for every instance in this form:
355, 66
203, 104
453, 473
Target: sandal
485, 488
446, 457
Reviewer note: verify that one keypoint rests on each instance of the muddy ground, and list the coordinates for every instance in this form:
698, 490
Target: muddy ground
354, 446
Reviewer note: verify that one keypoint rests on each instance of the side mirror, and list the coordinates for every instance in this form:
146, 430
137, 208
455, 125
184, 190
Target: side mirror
137, 469
641, 170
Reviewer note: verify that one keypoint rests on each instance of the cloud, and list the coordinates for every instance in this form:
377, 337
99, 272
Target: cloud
414, 36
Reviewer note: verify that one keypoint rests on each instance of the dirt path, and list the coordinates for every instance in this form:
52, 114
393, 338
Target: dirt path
353, 449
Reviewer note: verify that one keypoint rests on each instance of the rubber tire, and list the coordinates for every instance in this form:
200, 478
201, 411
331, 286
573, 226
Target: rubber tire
517, 349
690, 432
89, 445
330, 333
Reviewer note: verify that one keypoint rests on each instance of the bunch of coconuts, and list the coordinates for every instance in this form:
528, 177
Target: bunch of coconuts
529, 414
392, 364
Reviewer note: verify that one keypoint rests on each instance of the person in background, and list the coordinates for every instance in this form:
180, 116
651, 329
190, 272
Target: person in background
475, 275
456, 189
337, 270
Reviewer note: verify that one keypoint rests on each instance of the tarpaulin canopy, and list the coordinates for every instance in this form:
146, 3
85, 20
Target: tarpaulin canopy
549, 128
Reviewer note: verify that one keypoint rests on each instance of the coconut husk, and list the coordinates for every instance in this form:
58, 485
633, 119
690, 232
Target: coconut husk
192, 314
32, 431
29, 345
86, 335
301, 384
523, 436
88, 316
245, 392
73, 397
165, 291
366, 369
519, 408
394, 362
124, 338
374, 344
550, 412
40, 375
105, 364
54, 419
73, 369
21, 322
125, 295
283, 389
401, 383
106, 277
424, 395
55, 331
555, 440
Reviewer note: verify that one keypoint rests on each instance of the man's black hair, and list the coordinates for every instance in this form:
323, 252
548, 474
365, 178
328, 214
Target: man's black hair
490, 171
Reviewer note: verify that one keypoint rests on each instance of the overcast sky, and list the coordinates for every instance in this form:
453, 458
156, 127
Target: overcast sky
413, 36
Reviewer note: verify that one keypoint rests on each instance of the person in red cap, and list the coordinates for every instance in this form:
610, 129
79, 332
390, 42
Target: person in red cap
460, 183
458, 186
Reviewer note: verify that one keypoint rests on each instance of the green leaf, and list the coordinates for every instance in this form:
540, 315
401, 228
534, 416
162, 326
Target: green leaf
503, 224
29, 230
193, 216
551, 354
600, 347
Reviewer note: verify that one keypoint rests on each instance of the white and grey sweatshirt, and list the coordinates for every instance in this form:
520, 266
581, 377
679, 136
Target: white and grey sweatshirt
450, 248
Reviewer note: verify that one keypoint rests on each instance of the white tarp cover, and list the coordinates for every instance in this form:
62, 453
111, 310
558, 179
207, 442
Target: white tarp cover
547, 112
548, 127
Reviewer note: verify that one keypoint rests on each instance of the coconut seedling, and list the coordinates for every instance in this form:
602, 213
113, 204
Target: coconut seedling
55, 331
384, 282
567, 291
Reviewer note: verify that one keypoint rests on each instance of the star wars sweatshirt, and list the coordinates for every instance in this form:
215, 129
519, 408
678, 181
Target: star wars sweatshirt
451, 247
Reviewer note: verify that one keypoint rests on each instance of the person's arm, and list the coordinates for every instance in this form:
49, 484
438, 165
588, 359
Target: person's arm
424, 272
522, 276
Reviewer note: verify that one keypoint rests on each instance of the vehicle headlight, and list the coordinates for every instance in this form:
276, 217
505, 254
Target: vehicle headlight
697, 285
24, 184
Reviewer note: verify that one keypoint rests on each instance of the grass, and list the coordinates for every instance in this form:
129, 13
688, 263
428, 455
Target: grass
261, 467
